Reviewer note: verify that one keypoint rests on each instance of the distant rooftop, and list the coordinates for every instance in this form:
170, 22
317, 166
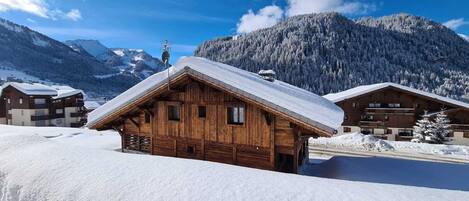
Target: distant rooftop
364, 89
36, 89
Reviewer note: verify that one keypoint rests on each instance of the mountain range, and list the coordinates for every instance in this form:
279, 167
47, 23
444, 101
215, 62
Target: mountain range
29, 56
329, 52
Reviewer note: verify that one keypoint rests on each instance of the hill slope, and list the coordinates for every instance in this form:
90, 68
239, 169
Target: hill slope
29, 56
134, 62
329, 53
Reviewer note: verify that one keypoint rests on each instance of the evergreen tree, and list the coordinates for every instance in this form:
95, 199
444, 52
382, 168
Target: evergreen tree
423, 129
441, 128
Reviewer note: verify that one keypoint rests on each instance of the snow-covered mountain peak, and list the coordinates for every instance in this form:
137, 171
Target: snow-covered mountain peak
126, 60
92, 47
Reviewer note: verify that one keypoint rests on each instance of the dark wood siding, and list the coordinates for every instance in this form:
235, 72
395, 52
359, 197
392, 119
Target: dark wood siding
251, 144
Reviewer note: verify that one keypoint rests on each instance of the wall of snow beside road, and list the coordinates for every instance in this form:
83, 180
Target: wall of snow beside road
361, 142
34, 167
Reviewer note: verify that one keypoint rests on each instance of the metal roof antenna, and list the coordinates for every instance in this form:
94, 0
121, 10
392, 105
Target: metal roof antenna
165, 58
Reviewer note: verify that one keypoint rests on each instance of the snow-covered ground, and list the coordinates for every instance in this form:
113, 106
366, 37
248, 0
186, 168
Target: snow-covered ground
82, 164
360, 142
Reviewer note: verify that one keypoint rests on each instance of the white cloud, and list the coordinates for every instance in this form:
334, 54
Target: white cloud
271, 15
39, 8
299, 7
455, 23
74, 15
36, 7
266, 17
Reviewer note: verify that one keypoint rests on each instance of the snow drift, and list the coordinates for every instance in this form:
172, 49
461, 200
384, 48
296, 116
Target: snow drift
361, 142
38, 168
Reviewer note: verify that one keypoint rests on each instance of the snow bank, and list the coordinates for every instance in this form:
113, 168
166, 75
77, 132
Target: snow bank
44, 168
360, 142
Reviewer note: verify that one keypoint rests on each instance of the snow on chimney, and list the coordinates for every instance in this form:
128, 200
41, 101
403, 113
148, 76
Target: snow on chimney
268, 75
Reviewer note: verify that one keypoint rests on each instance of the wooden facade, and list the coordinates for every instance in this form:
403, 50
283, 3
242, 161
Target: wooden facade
195, 119
393, 111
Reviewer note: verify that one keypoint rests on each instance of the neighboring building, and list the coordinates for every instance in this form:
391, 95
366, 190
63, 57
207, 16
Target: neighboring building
3, 115
212, 111
40, 105
91, 105
389, 111
68, 107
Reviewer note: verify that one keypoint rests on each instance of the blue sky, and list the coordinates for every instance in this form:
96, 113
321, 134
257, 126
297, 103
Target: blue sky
145, 24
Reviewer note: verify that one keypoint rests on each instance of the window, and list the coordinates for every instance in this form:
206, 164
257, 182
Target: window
354, 105
22, 112
347, 129
8, 101
394, 105
466, 135
9, 111
405, 132
235, 115
174, 113
367, 131
21, 100
190, 149
202, 111
39, 101
147, 118
367, 117
450, 134
345, 117
59, 111
374, 105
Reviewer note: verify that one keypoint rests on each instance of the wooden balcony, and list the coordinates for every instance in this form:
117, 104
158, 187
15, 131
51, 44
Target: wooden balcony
372, 124
39, 117
460, 127
390, 111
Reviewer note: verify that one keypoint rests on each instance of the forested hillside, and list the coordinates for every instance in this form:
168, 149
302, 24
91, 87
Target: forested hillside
329, 53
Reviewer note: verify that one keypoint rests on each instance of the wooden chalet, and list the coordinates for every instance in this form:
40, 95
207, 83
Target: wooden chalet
211, 111
389, 111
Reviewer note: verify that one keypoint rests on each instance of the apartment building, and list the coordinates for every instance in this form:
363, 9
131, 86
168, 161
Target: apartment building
26, 104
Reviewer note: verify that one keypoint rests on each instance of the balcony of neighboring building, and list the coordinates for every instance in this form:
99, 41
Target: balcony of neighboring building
389, 109
40, 117
459, 127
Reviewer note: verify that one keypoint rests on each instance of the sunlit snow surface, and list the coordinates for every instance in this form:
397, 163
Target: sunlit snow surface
81, 164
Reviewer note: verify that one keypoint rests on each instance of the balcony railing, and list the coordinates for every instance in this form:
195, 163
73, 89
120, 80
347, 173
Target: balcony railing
77, 114
460, 127
41, 106
371, 123
390, 111
39, 117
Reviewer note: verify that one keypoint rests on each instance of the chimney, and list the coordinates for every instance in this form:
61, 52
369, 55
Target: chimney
268, 75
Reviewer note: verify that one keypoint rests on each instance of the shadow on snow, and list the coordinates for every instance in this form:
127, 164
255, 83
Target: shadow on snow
392, 171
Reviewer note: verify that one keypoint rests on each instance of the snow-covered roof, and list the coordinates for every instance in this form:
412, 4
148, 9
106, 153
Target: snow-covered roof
66, 91
92, 105
32, 89
360, 90
293, 101
36, 89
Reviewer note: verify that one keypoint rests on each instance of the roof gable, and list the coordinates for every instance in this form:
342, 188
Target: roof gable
32, 89
365, 89
280, 96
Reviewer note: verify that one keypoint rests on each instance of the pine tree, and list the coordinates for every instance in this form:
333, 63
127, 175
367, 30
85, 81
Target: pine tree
423, 129
441, 128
